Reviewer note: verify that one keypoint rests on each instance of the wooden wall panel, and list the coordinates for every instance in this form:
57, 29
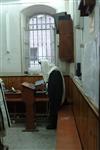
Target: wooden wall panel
66, 87
93, 131
69, 89
83, 122
76, 106
12, 82
16, 81
87, 121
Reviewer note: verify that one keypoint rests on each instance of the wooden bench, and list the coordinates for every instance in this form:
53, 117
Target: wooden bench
67, 135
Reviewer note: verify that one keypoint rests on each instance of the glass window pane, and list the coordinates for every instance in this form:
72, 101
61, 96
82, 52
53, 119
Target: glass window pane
35, 39
39, 26
43, 20
41, 38
48, 26
43, 26
31, 38
30, 27
34, 27
30, 21
34, 20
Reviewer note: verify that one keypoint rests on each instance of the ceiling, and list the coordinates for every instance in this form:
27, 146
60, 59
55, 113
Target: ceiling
6, 1
16, 1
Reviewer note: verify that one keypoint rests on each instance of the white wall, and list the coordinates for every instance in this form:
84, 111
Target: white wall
86, 34
11, 58
90, 57
89, 52
10, 35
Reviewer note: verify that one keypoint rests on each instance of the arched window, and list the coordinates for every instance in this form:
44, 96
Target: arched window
38, 36
41, 28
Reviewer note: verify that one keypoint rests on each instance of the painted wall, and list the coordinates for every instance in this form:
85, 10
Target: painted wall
86, 48
10, 32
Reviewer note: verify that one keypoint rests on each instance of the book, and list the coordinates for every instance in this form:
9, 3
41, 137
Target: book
40, 85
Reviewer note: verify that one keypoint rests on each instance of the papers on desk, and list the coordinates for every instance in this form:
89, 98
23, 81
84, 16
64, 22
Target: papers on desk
40, 93
39, 82
40, 85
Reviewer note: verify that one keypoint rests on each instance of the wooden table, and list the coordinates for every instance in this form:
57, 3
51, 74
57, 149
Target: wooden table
28, 96
13, 96
14, 99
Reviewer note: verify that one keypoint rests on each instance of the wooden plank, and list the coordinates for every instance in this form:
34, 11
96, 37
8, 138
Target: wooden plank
67, 135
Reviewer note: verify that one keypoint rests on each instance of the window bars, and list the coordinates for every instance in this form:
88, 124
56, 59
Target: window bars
41, 30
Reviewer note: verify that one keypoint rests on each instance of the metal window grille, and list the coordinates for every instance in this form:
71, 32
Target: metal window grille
41, 29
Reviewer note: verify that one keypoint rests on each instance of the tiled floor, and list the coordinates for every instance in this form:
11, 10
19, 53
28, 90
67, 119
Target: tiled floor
42, 139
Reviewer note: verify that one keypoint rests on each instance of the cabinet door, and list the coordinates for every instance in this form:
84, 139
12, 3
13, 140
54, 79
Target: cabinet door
66, 40
66, 47
65, 26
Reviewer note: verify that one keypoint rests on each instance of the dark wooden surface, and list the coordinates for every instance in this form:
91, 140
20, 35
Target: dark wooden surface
87, 120
13, 96
66, 49
67, 136
29, 99
28, 96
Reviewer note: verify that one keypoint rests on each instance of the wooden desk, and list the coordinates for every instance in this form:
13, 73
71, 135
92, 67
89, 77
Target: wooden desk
15, 104
13, 96
28, 96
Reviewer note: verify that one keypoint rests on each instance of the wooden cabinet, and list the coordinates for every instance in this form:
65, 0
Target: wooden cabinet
66, 40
